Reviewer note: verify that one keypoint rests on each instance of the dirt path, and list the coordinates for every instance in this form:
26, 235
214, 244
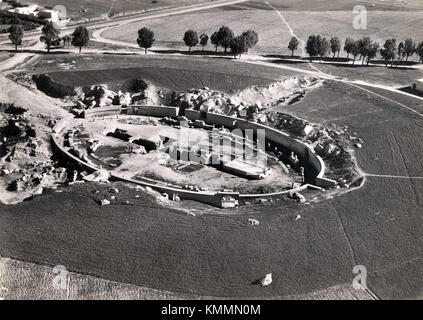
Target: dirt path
291, 31
36, 102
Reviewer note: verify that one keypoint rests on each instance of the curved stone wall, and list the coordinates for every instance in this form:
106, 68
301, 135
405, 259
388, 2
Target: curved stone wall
304, 151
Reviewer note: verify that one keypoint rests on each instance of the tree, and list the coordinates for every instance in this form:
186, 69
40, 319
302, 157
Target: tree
204, 39
50, 35
372, 50
389, 50
335, 46
139, 85
250, 38
409, 47
145, 38
225, 36
355, 50
312, 47
349, 43
214, 39
67, 40
238, 46
323, 46
419, 51
363, 46
293, 45
16, 35
191, 39
80, 37
401, 52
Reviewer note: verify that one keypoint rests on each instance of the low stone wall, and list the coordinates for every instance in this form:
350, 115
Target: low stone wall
315, 165
101, 112
153, 111
58, 147
221, 120
192, 114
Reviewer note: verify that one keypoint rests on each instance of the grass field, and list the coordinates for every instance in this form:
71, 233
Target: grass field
101, 7
319, 17
22, 280
325, 5
177, 73
374, 74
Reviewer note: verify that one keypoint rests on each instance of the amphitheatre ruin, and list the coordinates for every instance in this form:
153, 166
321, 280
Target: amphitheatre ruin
223, 160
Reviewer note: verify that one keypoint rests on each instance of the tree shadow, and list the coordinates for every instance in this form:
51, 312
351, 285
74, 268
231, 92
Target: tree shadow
23, 50
357, 64
306, 59
282, 56
192, 52
400, 63
287, 61
115, 53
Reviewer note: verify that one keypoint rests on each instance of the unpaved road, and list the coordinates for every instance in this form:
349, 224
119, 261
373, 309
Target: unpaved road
139, 17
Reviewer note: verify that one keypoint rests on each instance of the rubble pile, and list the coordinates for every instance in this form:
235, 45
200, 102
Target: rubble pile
37, 177
265, 281
26, 165
250, 103
97, 96
100, 96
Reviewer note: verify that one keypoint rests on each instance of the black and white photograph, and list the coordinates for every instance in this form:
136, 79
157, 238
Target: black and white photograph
228, 151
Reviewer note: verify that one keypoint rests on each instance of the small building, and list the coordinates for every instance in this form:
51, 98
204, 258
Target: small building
149, 144
49, 15
245, 169
229, 202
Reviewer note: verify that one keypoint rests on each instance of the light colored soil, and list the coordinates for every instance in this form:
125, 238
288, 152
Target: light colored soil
5, 55
156, 166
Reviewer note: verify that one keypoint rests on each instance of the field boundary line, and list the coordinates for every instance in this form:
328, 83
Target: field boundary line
291, 31
386, 98
390, 176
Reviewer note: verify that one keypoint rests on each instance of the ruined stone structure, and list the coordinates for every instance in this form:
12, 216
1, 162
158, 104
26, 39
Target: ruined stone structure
314, 166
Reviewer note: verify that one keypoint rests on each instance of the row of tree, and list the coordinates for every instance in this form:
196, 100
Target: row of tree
51, 36
317, 46
365, 48
224, 37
